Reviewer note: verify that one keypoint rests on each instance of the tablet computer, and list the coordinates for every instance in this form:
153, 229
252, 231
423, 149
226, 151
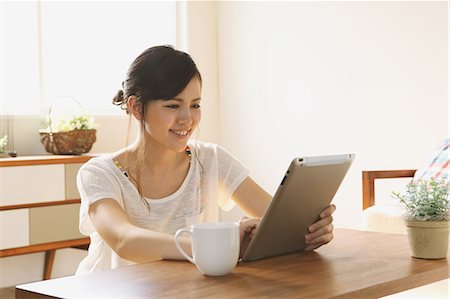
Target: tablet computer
306, 189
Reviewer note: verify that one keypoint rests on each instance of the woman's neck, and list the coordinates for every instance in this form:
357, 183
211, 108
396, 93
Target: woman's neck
156, 160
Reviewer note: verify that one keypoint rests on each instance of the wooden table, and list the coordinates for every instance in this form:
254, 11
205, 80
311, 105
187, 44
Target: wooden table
356, 264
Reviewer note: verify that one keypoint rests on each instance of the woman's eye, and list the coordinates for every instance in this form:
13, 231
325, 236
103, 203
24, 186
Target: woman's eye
176, 106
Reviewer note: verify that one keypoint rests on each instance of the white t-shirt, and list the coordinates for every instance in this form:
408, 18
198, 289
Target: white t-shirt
206, 188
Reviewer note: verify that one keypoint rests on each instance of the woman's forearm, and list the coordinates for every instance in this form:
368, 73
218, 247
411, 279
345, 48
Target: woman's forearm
251, 198
129, 241
140, 245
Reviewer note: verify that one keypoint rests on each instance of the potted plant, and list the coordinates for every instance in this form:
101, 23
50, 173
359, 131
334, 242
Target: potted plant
73, 135
427, 215
3, 143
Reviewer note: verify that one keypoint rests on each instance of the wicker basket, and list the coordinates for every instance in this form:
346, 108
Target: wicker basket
74, 142
68, 143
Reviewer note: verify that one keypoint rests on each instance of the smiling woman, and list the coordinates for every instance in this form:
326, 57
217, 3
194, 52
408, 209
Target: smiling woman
134, 200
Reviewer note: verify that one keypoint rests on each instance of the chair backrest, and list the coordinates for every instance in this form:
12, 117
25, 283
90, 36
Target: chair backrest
368, 182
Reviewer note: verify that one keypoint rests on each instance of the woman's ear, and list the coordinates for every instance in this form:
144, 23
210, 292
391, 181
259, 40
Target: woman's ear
135, 107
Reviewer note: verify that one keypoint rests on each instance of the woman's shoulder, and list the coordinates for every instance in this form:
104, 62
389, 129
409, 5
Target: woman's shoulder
201, 145
99, 163
204, 149
207, 150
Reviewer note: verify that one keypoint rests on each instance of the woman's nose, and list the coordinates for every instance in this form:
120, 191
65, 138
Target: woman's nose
185, 117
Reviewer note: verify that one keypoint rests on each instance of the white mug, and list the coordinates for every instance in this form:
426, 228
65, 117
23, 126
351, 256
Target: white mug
215, 246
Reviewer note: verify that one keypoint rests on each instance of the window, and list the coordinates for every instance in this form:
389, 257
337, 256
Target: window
80, 49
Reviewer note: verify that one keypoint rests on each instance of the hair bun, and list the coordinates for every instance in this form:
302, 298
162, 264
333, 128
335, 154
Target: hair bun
119, 100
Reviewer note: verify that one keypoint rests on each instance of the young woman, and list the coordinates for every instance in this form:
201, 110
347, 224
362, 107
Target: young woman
133, 201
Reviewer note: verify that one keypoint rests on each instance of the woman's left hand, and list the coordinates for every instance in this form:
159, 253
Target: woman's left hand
247, 228
321, 232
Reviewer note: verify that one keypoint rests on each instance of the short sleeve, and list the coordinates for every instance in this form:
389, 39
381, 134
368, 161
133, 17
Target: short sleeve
231, 173
437, 166
94, 182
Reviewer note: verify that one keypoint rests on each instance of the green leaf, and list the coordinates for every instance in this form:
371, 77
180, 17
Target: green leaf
426, 200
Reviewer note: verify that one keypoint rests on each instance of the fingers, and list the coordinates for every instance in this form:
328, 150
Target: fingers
321, 232
325, 219
320, 224
323, 235
320, 237
248, 226
313, 246
249, 223
326, 240
328, 211
243, 219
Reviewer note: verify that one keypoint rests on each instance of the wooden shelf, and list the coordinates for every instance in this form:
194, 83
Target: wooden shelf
50, 247
82, 242
45, 160
40, 204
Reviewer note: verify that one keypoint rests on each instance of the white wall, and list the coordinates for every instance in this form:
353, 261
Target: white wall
312, 78
201, 44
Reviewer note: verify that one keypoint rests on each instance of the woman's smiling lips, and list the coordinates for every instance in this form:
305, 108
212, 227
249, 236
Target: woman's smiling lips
181, 133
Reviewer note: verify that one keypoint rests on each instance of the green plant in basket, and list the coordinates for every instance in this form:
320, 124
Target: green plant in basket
426, 200
76, 122
4, 152
72, 135
3, 143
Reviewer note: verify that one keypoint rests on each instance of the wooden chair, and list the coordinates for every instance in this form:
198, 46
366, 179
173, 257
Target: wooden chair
368, 182
381, 218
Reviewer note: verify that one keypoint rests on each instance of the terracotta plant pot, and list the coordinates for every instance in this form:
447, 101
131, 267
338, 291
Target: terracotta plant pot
428, 239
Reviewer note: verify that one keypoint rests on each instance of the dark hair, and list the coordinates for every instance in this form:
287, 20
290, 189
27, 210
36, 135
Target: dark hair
159, 73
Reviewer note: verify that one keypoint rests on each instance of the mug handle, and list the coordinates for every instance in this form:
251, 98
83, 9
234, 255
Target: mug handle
177, 243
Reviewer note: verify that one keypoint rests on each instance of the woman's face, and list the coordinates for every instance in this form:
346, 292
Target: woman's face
171, 122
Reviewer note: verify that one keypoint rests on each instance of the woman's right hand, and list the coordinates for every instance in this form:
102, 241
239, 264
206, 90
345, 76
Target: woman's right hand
247, 228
